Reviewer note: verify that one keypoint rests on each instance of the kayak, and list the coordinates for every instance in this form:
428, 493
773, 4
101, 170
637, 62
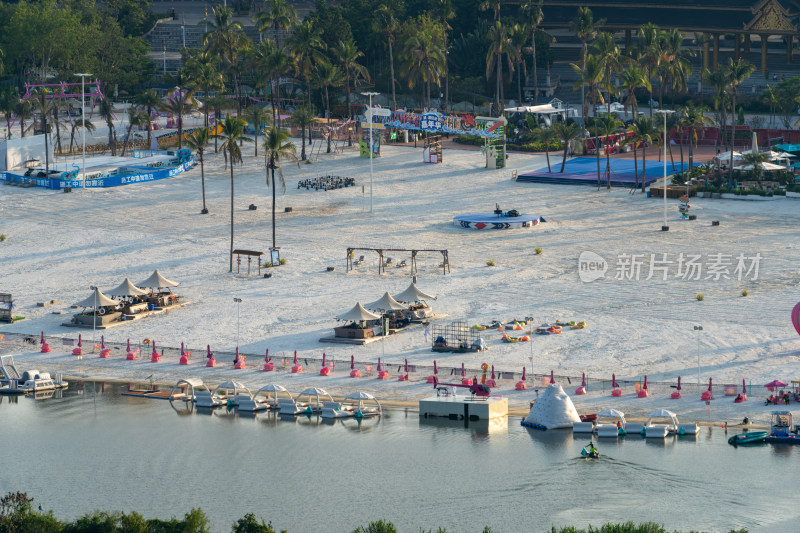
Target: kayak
751, 437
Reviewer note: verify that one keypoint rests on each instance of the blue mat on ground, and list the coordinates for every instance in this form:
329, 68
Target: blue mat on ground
583, 171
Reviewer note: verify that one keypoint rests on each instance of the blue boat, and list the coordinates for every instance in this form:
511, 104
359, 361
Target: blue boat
751, 437
781, 430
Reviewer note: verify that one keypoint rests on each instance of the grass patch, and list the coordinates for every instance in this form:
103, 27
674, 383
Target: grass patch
537, 251
700, 297
490, 263
745, 292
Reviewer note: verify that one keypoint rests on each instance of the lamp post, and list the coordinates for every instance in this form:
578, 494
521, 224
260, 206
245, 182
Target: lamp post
94, 318
698, 329
83, 122
238, 301
664, 112
370, 117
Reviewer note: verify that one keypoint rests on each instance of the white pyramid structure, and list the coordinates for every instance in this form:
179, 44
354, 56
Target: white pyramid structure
553, 409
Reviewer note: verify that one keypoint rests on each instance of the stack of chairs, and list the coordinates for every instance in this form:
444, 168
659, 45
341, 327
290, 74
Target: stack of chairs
326, 183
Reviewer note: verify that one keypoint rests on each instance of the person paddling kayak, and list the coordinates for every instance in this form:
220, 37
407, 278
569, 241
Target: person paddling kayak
590, 451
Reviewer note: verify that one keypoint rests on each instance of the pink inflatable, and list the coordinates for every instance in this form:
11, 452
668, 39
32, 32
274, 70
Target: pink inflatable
268, 366
325, 371
796, 318
45, 346
355, 373
521, 385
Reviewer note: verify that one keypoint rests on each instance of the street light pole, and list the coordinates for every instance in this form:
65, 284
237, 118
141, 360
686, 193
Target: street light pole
370, 117
698, 329
238, 301
83, 122
664, 112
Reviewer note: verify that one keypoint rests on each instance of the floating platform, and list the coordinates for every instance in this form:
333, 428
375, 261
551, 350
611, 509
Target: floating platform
128, 318
494, 221
583, 171
154, 394
464, 407
348, 340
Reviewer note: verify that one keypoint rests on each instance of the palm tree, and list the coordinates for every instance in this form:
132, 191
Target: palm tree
631, 79
258, 117
76, 125
518, 38
423, 57
224, 39
44, 106
567, 132
770, 98
607, 126
590, 76
23, 110
197, 141
676, 66
532, 14
56, 106
585, 28
348, 54
327, 75
178, 104
444, 11
494, 5
106, 112
277, 148
271, 63
202, 71
279, 15
135, 118
693, 118
8, 101
387, 24
232, 135
303, 117
649, 51
643, 132
718, 79
217, 104
757, 160
148, 100
546, 136
738, 71
305, 45
499, 46
606, 49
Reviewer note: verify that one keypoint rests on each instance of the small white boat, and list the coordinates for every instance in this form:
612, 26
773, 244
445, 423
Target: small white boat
12, 382
315, 398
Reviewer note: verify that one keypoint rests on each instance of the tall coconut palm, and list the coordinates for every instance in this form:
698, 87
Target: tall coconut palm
518, 38
567, 132
443, 11
386, 24
197, 141
23, 110
532, 15
493, 5
303, 117
585, 28
546, 136
76, 125
499, 47
607, 126
607, 51
232, 135
136, 118
224, 38
631, 79
279, 15
44, 106
271, 63
217, 104
8, 101
770, 96
180, 102
648, 49
590, 78
738, 70
348, 55
56, 122
202, 72
327, 75
259, 117
277, 149
106, 112
148, 101
718, 79
644, 131
692, 119
306, 49
423, 57
676, 67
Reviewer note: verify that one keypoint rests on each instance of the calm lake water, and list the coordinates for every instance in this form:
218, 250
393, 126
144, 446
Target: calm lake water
90, 450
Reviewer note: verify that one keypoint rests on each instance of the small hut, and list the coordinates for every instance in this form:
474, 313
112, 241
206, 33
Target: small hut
416, 299
131, 297
159, 298
361, 324
391, 308
99, 310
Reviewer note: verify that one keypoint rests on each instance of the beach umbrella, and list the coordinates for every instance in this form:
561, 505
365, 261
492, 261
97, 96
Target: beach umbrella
583, 379
776, 383
295, 357
614, 380
679, 383
236, 359
380, 369
103, 342
744, 388
523, 374
645, 382
463, 370
208, 351
266, 357
552, 378
796, 318
157, 281
492, 371
435, 370
323, 358
42, 341
406, 366
129, 345
79, 341
709, 384
352, 362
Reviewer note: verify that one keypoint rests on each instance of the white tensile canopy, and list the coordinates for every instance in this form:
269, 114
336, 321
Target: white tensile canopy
553, 409
413, 294
386, 303
127, 288
97, 299
663, 413
358, 314
156, 281
234, 386
764, 166
612, 413
275, 390
362, 397
313, 393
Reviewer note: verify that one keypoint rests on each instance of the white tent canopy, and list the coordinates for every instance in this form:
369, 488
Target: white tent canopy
764, 166
413, 294
97, 299
156, 281
357, 314
553, 409
126, 288
313, 393
612, 413
663, 413
386, 303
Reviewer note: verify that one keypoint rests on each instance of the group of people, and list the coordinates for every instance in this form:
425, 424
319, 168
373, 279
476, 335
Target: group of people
781, 398
326, 183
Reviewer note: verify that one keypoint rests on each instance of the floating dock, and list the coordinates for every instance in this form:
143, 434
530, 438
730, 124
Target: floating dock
464, 407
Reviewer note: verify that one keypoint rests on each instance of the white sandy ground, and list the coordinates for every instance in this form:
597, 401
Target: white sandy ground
60, 244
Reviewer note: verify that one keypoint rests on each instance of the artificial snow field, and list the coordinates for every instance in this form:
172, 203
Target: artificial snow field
58, 245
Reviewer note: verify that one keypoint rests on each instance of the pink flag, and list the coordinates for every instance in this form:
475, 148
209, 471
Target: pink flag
323, 358
463, 370
129, 345
709, 384
79, 340
208, 351
583, 379
744, 388
380, 369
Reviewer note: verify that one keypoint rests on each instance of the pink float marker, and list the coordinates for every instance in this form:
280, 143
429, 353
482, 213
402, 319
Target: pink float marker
706, 396
677, 394
432, 378
105, 353
491, 383
552, 378
268, 365
643, 392
615, 388
582, 388
404, 377
354, 372
521, 385
130, 356
296, 367
211, 361
45, 346
382, 374
241, 360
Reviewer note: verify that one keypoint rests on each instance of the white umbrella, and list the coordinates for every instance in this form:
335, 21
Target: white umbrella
764, 166
97, 299
386, 303
358, 314
127, 288
156, 281
413, 294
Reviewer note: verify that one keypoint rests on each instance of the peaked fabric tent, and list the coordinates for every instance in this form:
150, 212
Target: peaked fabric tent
413, 294
358, 314
126, 288
386, 303
157, 281
97, 299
